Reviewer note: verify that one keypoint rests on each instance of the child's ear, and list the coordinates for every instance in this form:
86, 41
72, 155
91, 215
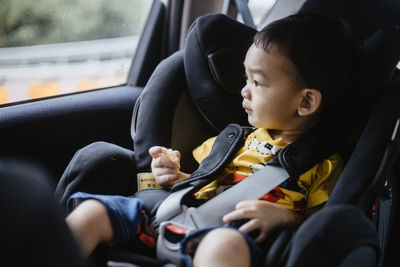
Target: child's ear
310, 102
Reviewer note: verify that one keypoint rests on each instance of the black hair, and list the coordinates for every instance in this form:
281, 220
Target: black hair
320, 47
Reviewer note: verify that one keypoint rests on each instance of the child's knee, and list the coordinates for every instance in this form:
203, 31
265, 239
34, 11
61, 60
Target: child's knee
91, 218
91, 209
92, 215
223, 239
223, 245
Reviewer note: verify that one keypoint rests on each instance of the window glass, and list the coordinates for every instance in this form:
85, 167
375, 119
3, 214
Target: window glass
50, 47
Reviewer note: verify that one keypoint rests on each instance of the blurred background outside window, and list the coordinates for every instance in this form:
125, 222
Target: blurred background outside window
51, 47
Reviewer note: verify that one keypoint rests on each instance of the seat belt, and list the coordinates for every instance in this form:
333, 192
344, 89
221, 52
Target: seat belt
242, 7
172, 213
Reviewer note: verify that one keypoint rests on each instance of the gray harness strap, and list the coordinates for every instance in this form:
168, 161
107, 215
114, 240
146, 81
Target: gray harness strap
171, 211
251, 188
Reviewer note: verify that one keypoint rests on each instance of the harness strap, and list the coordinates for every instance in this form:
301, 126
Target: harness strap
169, 208
251, 188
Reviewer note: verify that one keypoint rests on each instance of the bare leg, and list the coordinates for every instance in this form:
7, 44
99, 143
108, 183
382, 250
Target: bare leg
90, 225
222, 247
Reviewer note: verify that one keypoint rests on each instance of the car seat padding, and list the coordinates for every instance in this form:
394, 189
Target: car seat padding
214, 83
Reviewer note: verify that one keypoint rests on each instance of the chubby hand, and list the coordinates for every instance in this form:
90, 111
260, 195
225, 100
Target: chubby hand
263, 216
165, 165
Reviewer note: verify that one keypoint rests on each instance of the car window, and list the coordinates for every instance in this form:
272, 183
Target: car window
51, 47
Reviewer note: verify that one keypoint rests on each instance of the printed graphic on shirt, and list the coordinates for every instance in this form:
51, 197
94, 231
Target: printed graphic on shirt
273, 196
264, 147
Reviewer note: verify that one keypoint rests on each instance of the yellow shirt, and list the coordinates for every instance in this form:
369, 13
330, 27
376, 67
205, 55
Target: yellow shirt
312, 189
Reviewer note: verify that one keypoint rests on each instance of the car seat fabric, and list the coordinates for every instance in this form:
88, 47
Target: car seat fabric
358, 184
98, 168
364, 17
330, 235
157, 106
214, 53
338, 235
382, 55
377, 65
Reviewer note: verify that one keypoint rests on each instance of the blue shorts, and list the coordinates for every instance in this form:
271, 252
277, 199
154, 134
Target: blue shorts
125, 214
256, 253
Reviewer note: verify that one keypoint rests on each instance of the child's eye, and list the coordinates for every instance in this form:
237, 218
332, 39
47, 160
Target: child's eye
256, 84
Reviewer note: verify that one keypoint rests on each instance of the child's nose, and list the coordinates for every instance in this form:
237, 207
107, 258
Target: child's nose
245, 92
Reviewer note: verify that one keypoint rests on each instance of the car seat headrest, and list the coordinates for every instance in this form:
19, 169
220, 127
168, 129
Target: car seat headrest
214, 52
380, 54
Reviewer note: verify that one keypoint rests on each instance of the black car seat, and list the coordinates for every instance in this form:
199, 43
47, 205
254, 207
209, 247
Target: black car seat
196, 92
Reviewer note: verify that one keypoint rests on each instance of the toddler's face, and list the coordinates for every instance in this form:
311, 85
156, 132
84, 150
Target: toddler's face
271, 94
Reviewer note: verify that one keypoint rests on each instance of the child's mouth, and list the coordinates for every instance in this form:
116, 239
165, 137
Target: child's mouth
248, 110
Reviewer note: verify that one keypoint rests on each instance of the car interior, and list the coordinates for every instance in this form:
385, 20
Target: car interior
184, 86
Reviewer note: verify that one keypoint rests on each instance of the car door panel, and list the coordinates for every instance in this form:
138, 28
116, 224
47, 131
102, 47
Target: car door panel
50, 131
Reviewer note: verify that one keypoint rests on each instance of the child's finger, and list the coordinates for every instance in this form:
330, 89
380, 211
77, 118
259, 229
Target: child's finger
235, 215
160, 171
245, 204
171, 155
156, 151
177, 154
231, 216
254, 229
249, 226
162, 162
